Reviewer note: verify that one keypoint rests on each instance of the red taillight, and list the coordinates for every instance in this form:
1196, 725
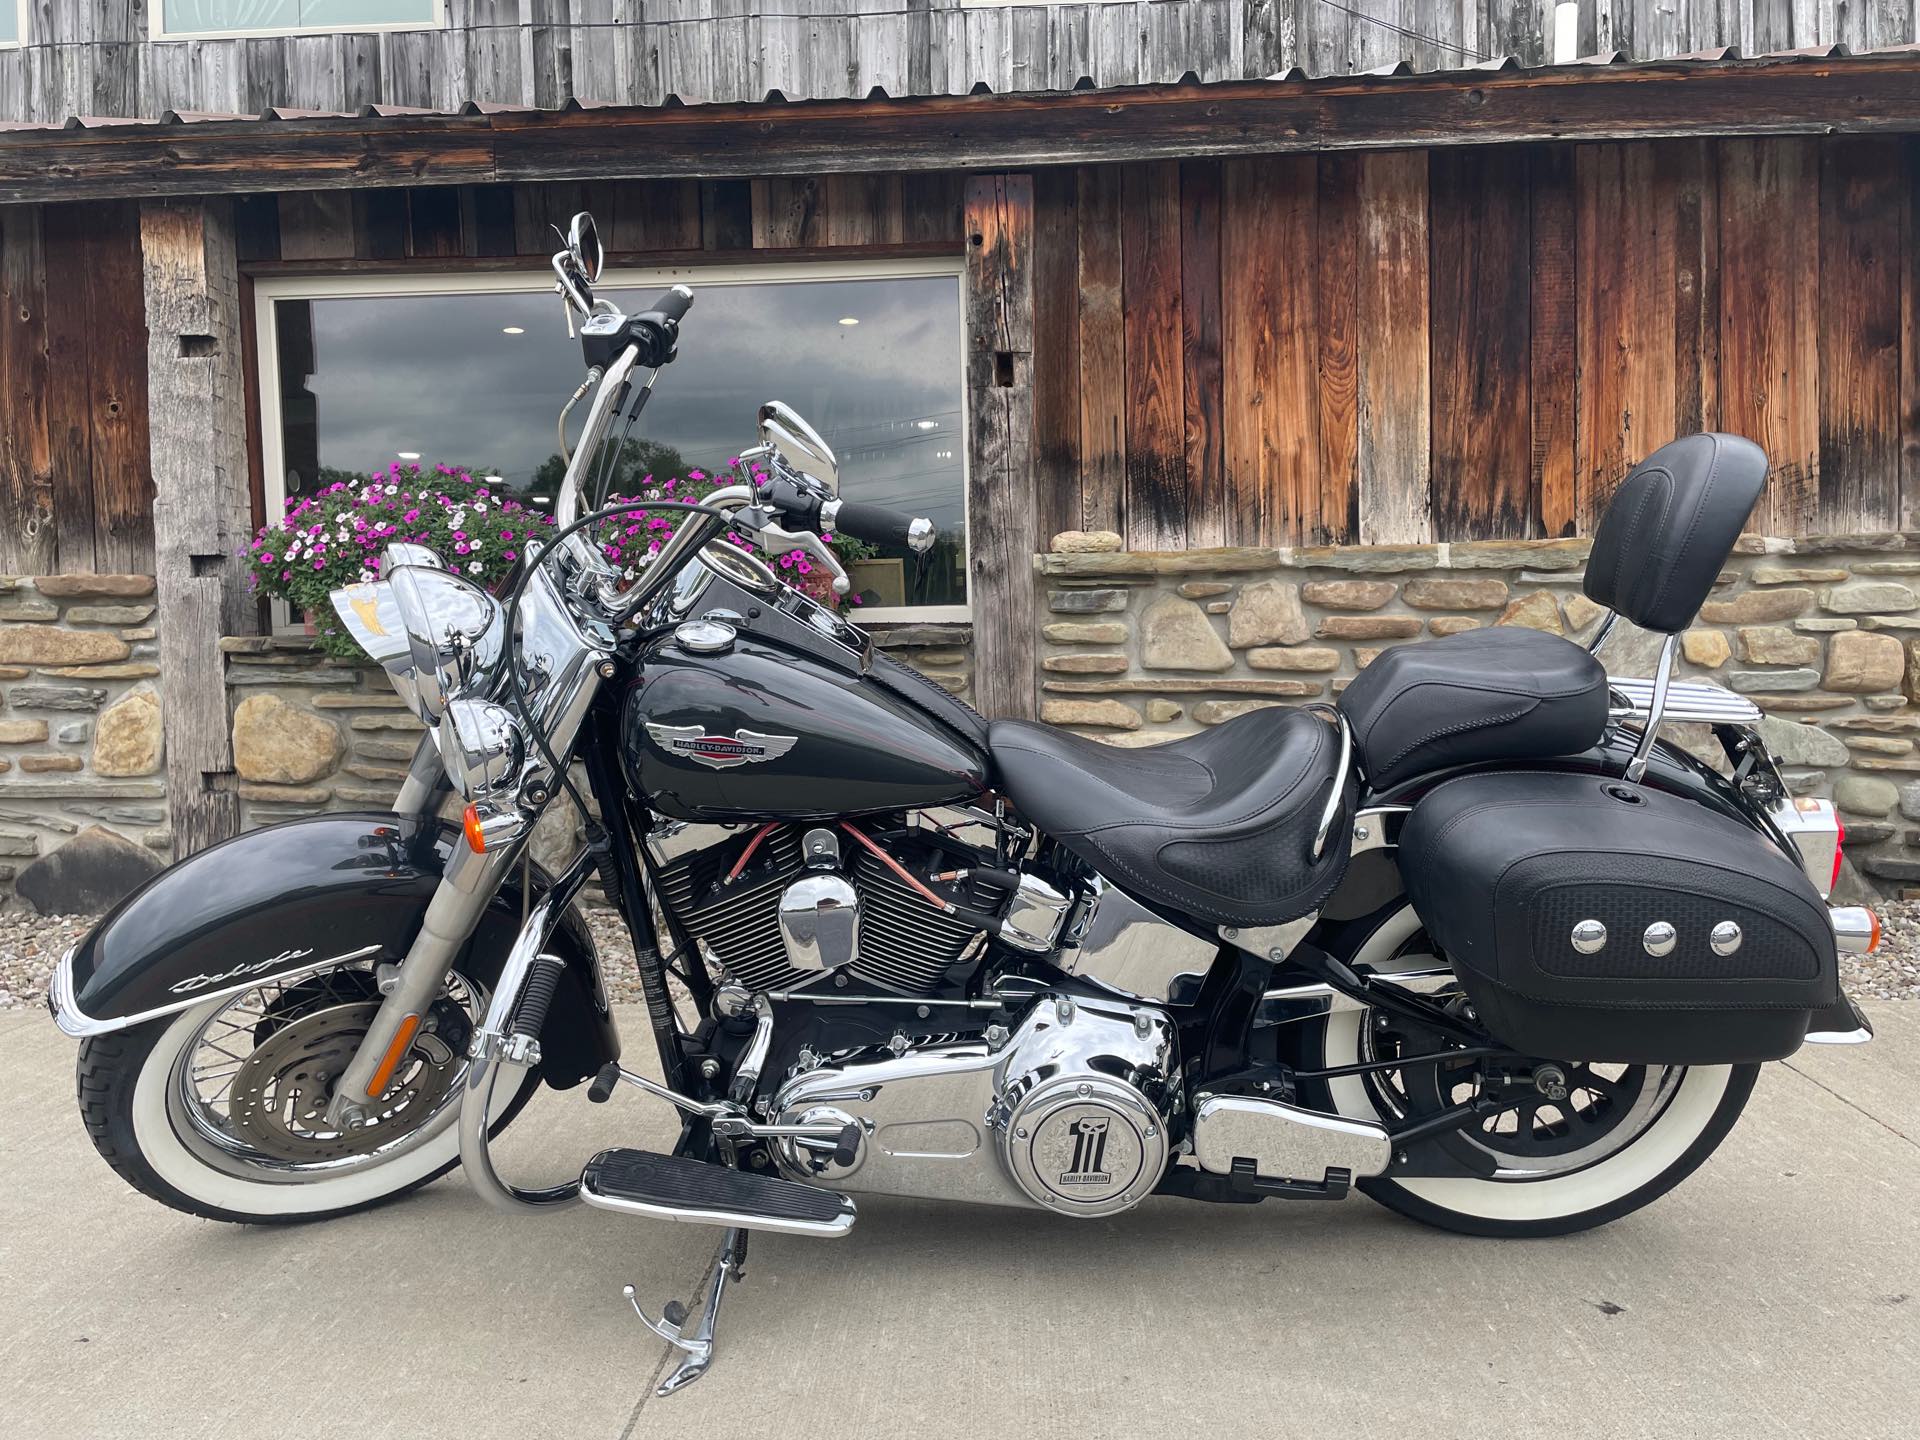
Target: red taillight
1839, 839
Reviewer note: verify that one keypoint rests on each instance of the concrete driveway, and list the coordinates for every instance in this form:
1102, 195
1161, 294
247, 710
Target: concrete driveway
1776, 1293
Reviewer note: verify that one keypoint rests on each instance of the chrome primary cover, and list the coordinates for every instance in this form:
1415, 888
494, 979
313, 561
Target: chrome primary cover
1070, 1114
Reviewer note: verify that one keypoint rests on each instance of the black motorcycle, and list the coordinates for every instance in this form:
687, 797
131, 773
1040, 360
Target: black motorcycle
1475, 940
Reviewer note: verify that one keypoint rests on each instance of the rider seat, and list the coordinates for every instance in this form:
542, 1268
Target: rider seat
1220, 825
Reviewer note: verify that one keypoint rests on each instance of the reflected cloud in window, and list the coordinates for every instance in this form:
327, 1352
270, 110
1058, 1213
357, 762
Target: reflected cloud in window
477, 380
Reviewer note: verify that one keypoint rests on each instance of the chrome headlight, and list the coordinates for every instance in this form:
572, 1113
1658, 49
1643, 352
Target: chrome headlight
456, 634
482, 746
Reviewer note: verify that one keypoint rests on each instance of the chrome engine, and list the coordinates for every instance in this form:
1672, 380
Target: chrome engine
1070, 1113
776, 908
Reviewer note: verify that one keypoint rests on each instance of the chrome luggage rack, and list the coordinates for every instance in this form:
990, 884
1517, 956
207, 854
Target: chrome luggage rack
1662, 698
1697, 700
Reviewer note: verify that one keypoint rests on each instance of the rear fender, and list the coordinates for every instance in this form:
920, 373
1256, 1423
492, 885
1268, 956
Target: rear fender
304, 896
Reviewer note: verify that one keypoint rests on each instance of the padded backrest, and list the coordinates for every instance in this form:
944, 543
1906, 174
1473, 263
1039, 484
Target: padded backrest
1670, 528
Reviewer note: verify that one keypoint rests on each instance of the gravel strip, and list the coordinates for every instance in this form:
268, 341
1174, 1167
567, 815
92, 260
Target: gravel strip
31, 944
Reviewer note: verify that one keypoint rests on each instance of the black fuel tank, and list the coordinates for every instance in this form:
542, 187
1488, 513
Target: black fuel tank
767, 732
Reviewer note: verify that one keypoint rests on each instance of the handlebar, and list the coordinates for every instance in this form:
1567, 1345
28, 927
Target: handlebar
656, 331
673, 305
878, 524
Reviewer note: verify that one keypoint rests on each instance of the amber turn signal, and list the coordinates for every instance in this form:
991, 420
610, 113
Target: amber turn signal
402, 1038
476, 836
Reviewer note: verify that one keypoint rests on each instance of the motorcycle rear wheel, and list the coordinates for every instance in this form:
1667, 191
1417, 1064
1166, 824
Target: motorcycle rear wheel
1601, 1154
204, 1110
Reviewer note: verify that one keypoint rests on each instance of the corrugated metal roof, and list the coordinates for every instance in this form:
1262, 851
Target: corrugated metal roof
1574, 69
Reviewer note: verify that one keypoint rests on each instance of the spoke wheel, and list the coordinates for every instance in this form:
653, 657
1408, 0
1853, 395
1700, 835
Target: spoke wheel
251, 1088
1604, 1108
1622, 1135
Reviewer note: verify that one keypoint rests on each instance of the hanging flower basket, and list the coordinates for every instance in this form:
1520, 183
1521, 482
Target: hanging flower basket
337, 536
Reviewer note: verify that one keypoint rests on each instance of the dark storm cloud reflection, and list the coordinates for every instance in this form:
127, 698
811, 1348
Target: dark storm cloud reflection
435, 374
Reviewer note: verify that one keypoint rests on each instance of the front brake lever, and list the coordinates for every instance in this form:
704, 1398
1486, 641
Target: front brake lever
775, 541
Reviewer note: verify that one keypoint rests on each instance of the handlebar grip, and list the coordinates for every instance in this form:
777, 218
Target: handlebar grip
879, 525
674, 304
657, 331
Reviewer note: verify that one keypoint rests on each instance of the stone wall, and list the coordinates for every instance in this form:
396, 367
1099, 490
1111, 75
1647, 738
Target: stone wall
1823, 633
83, 812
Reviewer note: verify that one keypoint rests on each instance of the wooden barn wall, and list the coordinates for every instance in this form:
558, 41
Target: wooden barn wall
76, 490
453, 226
1385, 348
1479, 343
95, 57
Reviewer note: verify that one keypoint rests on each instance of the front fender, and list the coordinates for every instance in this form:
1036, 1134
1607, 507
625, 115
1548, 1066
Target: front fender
299, 897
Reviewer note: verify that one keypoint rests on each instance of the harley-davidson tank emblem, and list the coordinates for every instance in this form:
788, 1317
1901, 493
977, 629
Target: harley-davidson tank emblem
720, 752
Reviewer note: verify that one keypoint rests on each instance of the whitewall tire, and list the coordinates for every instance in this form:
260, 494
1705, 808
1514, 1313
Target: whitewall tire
127, 1084
1683, 1115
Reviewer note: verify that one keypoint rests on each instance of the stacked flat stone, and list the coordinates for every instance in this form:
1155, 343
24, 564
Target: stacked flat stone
83, 814
1822, 632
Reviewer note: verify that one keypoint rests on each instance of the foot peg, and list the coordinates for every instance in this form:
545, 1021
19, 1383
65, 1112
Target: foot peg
673, 1187
696, 1348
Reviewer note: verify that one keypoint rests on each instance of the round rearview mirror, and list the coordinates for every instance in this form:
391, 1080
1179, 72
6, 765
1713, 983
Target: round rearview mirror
583, 240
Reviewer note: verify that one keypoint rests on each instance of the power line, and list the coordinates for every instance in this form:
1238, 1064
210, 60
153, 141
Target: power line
1404, 33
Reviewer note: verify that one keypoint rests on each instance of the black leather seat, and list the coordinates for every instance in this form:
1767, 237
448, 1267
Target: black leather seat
1517, 694
1219, 825
1503, 694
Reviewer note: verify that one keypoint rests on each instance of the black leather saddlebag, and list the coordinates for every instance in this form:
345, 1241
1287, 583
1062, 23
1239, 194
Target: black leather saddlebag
1507, 869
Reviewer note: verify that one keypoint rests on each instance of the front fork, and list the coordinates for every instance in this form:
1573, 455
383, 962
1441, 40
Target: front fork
409, 988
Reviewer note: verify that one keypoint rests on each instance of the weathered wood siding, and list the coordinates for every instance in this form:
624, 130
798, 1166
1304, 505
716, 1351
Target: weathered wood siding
94, 57
1387, 347
1471, 344
451, 226
76, 489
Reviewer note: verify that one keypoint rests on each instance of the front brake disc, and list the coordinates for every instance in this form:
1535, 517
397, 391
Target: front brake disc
277, 1103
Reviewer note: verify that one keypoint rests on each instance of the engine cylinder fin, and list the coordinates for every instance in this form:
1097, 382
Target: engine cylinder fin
905, 944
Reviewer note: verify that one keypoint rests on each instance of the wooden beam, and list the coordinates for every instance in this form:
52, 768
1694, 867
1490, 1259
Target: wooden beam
1482, 342
1863, 202
202, 510
1158, 505
1103, 353
1769, 319
1552, 291
1767, 96
1395, 452
27, 537
1003, 535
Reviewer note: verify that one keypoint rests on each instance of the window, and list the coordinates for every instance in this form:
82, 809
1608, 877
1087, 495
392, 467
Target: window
472, 370
13, 24
214, 19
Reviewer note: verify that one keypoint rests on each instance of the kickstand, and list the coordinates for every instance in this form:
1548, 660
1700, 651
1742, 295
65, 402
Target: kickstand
696, 1348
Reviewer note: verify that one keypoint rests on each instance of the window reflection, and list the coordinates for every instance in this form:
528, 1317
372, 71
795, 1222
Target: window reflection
476, 380
191, 17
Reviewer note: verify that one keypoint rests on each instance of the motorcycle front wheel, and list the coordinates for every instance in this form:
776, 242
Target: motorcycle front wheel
220, 1111
1622, 1136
